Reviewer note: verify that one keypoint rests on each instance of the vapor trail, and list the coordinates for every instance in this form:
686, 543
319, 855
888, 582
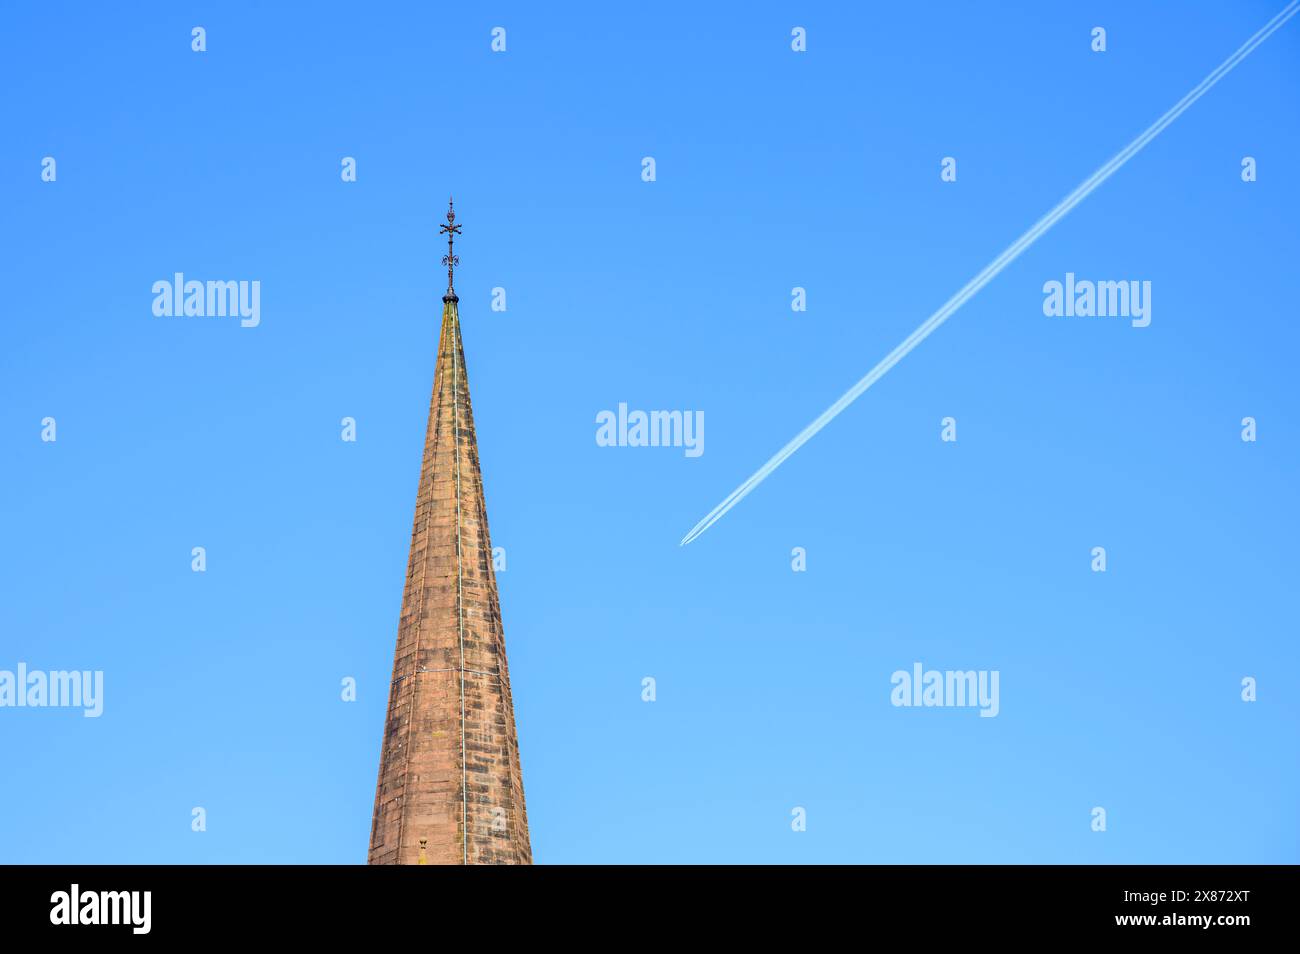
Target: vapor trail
992, 270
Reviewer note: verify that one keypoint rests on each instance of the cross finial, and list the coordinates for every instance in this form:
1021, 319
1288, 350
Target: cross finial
451, 259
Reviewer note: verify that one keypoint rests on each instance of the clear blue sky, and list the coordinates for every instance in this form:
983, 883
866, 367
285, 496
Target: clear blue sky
775, 169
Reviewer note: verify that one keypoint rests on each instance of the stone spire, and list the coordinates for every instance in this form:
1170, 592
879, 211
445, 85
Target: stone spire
450, 789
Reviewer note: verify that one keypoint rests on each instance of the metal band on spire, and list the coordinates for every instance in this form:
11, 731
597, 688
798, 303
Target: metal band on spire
451, 259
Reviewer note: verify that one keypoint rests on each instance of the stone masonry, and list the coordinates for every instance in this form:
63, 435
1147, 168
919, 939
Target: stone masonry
450, 789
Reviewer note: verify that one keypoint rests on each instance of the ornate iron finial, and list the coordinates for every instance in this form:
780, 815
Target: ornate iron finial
451, 259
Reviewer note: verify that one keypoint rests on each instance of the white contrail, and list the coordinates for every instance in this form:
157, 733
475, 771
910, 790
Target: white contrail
993, 268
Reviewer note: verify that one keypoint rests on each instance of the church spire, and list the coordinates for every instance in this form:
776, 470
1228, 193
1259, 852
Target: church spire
450, 789
451, 260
